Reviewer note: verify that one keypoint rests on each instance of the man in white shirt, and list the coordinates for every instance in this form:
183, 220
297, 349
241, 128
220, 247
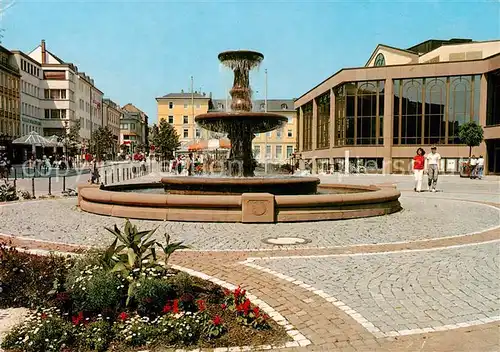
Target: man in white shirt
433, 159
480, 167
473, 164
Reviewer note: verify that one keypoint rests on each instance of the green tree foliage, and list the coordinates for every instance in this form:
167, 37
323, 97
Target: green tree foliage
102, 141
164, 138
471, 134
71, 139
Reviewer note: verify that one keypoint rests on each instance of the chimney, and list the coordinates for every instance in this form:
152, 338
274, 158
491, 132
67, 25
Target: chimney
44, 52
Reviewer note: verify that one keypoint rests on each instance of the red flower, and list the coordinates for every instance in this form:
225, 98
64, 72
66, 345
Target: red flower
201, 305
123, 316
167, 308
77, 319
256, 312
44, 316
223, 306
175, 308
226, 292
217, 320
246, 306
265, 316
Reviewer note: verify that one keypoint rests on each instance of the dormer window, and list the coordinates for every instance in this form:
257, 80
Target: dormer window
263, 106
284, 107
170, 105
380, 60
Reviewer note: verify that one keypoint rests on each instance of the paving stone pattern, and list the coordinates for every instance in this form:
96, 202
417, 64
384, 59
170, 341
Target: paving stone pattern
61, 221
408, 290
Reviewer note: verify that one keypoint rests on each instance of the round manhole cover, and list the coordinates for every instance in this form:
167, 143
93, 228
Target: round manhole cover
285, 240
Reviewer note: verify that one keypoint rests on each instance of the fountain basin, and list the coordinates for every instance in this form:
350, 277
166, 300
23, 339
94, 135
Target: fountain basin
357, 201
253, 122
240, 185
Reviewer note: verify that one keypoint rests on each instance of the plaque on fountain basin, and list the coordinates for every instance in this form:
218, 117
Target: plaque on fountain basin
257, 208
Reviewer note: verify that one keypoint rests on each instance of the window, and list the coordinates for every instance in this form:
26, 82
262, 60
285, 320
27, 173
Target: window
323, 121
55, 113
284, 107
290, 133
279, 151
380, 60
170, 105
289, 151
431, 110
279, 133
307, 117
268, 134
220, 106
185, 120
55, 94
170, 119
256, 151
268, 152
185, 106
359, 111
290, 119
186, 133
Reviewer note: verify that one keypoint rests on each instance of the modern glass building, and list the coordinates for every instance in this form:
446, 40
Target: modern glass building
375, 117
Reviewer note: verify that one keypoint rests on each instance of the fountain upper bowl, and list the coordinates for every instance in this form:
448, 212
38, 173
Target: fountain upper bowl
255, 122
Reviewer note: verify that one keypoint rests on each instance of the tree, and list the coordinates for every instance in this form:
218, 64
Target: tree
164, 138
102, 141
471, 134
71, 139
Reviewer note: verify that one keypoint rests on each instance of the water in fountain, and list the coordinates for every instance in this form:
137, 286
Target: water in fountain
241, 124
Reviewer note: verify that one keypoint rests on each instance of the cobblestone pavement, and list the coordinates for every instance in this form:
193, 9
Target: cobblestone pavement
398, 292
381, 288
61, 221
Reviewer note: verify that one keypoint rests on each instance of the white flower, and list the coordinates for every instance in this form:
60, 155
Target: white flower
138, 284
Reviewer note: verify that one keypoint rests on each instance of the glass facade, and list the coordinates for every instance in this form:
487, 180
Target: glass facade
307, 116
431, 110
359, 110
493, 100
323, 126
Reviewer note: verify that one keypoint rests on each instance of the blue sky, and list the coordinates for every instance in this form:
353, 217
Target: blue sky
138, 50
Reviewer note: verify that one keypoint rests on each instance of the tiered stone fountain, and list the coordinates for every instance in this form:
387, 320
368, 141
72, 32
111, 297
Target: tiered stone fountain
240, 199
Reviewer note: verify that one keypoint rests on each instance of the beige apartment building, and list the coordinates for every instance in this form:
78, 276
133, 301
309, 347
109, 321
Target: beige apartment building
179, 109
277, 146
375, 117
133, 128
111, 116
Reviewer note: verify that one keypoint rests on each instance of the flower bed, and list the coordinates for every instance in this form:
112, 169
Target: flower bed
123, 299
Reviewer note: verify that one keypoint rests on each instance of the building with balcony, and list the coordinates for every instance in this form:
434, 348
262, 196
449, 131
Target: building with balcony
179, 109
10, 117
277, 146
31, 75
402, 99
133, 128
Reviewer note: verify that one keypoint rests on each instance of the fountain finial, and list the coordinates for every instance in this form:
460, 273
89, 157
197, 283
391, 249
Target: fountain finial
241, 62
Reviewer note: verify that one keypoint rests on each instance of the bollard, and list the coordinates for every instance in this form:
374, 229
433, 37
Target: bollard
112, 176
50, 186
15, 174
123, 174
117, 175
128, 174
105, 177
15, 185
33, 186
64, 183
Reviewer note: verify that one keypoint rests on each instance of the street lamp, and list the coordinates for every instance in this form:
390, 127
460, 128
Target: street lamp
66, 139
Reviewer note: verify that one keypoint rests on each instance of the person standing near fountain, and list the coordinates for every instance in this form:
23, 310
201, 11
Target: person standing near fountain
433, 160
418, 169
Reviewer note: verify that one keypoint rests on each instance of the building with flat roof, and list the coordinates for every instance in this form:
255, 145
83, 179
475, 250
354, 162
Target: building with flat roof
275, 147
376, 116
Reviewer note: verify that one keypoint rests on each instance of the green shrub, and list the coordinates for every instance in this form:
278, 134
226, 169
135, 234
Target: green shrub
183, 283
136, 331
44, 331
95, 289
28, 280
8, 192
151, 295
95, 336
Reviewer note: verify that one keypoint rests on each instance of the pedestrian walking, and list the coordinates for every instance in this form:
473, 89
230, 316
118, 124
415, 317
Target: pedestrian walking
433, 160
480, 167
418, 169
472, 165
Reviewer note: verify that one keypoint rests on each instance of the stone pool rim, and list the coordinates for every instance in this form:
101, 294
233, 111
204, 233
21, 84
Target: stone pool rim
373, 200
